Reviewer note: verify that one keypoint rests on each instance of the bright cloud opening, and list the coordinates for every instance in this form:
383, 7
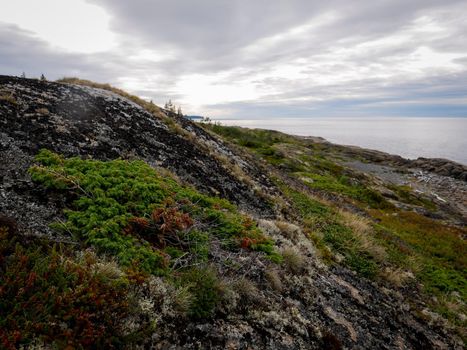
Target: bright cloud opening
73, 25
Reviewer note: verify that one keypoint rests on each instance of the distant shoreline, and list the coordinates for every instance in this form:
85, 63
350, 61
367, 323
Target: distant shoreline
410, 138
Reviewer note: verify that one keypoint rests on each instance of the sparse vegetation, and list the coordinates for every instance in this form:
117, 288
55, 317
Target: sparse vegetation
8, 98
391, 243
43, 111
149, 106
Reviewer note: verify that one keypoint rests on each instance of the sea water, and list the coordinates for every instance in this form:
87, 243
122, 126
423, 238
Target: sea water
408, 137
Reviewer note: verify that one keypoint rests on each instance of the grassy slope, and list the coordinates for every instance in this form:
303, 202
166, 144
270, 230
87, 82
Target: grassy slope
397, 242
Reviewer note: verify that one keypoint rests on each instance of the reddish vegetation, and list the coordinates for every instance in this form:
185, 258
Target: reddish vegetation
47, 295
162, 228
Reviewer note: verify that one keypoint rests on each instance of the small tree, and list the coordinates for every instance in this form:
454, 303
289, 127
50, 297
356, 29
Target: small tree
179, 111
23, 75
170, 106
206, 120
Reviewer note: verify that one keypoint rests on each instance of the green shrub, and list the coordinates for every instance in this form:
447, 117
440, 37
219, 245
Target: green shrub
124, 208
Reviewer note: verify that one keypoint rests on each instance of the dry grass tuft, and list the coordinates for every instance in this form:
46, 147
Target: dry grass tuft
247, 290
358, 224
8, 98
293, 260
362, 231
289, 230
396, 276
43, 111
272, 276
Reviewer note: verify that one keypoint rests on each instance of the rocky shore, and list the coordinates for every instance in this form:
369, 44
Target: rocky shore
443, 181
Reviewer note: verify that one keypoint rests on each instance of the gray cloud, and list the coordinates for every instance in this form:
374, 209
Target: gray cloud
299, 56
23, 52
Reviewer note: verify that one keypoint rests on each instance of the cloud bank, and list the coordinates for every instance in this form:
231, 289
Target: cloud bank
261, 59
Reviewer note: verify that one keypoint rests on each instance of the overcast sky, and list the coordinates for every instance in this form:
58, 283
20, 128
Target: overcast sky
252, 58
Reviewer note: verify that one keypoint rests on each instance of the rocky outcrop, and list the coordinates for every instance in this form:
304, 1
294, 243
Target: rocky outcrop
437, 166
89, 122
441, 167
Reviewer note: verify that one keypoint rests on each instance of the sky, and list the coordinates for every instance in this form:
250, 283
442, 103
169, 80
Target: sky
243, 59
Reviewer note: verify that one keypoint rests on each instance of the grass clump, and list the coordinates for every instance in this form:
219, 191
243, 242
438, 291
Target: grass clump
126, 209
344, 241
293, 259
9, 98
329, 228
204, 287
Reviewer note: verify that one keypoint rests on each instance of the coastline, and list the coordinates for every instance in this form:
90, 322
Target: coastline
409, 137
443, 181
440, 166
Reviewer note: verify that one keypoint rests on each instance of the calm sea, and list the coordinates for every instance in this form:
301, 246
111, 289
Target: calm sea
407, 137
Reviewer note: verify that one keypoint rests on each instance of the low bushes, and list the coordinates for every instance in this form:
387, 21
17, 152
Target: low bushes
126, 209
52, 296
